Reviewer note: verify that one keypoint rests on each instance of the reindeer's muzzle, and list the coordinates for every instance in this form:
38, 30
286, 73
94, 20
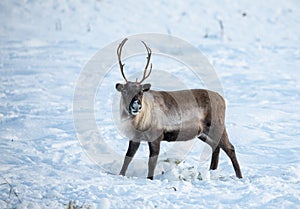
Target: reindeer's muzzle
135, 106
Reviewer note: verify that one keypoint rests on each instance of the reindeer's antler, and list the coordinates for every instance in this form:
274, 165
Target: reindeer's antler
146, 75
147, 65
119, 51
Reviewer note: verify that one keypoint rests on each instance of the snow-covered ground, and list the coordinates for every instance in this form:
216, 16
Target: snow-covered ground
253, 46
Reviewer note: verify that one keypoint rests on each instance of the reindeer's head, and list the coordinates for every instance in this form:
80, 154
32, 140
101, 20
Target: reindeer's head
132, 92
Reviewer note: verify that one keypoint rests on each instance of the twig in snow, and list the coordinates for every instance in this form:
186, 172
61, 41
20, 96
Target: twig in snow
221, 28
11, 189
174, 188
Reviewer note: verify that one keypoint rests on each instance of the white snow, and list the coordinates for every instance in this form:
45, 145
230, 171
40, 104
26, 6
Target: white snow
45, 44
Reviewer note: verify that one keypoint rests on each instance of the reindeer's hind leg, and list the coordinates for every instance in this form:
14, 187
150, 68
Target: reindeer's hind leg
215, 158
215, 148
229, 150
132, 148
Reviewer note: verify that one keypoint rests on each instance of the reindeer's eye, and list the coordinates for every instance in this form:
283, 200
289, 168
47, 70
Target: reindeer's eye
124, 92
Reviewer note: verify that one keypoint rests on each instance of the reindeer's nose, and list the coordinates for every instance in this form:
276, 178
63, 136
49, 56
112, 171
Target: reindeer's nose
135, 107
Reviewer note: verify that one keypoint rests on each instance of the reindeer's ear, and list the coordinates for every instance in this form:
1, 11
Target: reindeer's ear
119, 87
146, 87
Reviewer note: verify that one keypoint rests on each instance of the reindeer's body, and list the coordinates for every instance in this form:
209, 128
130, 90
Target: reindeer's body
174, 116
156, 116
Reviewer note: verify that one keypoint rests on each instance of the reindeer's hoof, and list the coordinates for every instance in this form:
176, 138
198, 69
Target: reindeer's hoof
150, 177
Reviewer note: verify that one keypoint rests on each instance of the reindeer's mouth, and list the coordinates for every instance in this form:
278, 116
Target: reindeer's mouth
135, 107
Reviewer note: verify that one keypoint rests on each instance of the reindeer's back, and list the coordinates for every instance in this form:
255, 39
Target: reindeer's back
186, 112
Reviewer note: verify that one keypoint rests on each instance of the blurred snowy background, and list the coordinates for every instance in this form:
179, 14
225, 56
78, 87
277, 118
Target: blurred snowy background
254, 47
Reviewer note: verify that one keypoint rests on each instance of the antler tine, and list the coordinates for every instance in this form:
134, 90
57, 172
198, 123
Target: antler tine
119, 51
145, 76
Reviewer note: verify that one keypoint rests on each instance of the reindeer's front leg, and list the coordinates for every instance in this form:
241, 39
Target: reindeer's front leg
132, 148
154, 148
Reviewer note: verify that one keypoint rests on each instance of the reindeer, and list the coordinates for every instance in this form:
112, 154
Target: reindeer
155, 116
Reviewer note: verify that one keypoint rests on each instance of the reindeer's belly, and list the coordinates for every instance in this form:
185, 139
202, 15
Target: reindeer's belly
181, 135
170, 136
